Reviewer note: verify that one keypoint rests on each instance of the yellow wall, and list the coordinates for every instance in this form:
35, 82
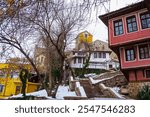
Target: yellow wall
84, 38
31, 87
3, 65
10, 84
10, 87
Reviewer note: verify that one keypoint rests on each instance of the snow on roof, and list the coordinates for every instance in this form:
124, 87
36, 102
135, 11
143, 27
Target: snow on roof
41, 93
64, 91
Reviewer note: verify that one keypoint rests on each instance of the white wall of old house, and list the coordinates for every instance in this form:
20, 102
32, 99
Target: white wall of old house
96, 62
99, 58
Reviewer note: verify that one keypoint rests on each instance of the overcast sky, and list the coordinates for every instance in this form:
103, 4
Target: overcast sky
98, 29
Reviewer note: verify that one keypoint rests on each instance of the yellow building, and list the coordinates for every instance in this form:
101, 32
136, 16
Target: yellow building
84, 37
10, 83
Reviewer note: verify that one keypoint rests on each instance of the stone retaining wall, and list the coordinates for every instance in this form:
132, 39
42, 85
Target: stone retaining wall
135, 87
72, 83
75, 98
116, 81
108, 92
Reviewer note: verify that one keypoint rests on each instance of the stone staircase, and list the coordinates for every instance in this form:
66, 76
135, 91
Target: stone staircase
100, 89
109, 92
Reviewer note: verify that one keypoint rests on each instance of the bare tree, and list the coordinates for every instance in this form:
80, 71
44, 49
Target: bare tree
15, 32
87, 51
55, 19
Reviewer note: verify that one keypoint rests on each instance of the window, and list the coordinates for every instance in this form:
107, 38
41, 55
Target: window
75, 60
104, 55
148, 73
131, 24
85, 35
144, 51
42, 59
100, 55
145, 20
110, 66
18, 88
1, 88
80, 53
118, 27
130, 54
84, 60
79, 60
2, 74
95, 54
14, 74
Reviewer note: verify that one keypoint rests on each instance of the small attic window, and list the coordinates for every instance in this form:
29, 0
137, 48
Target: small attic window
85, 35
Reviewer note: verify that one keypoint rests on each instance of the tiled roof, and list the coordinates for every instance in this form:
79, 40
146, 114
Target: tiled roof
99, 45
122, 11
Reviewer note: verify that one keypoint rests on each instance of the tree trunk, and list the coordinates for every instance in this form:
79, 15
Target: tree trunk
61, 78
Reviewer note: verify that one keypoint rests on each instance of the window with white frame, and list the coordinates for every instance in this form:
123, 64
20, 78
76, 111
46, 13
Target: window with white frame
131, 24
144, 51
100, 55
130, 54
95, 54
75, 60
145, 20
79, 60
104, 55
118, 27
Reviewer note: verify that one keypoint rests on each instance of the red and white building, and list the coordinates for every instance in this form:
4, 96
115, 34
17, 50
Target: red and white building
129, 38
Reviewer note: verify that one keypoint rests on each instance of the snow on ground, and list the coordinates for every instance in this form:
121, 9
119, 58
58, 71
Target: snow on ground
41, 93
98, 81
117, 94
117, 89
78, 84
114, 90
64, 91
81, 89
96, 98
83, 94
90, 75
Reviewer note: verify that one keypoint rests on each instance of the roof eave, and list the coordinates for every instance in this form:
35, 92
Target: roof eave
125, 10
147, 3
